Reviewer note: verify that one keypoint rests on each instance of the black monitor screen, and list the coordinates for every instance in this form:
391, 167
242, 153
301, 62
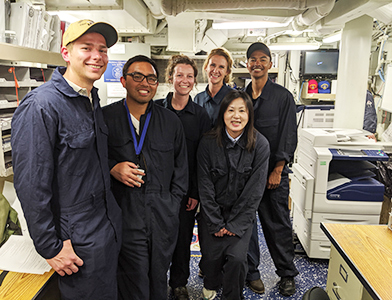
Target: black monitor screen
320, 62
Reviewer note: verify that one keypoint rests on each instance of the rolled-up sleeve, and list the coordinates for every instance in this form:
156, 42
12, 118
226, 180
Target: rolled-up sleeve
287, 129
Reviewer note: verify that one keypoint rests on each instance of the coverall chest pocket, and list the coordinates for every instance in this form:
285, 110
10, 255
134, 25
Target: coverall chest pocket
243, 174
220, 179
268, 127
162, 156
80, 151
121, 148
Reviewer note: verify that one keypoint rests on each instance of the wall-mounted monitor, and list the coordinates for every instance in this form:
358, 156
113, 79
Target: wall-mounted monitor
319, 63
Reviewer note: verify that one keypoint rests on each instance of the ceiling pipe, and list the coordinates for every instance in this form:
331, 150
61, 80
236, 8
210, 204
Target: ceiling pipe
174, 7
312, 11
315, 10
312, 15
160, 26
155, 7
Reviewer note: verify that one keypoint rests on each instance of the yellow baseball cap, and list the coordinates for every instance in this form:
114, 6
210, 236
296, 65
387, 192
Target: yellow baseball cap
78, 28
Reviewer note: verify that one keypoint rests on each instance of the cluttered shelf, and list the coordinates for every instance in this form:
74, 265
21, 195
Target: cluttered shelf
314, 95
21, 70
10, 52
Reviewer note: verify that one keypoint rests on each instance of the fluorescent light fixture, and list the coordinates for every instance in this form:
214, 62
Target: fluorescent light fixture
295, 46
249, 24
332, 38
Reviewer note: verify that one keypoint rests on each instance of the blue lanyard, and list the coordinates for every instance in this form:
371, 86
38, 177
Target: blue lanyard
138, 147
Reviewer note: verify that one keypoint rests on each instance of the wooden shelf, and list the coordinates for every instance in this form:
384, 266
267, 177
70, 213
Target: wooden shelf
11, 52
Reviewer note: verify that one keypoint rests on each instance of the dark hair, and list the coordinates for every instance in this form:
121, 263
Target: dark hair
176, 60
139, 58
219, 130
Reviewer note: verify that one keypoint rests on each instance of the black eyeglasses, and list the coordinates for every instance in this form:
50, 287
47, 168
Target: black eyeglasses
139, 77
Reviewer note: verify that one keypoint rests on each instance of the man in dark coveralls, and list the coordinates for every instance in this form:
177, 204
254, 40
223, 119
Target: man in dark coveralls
59, 153
275, 118
148, 163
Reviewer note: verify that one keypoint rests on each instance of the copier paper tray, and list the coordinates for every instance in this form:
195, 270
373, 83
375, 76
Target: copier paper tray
367, 189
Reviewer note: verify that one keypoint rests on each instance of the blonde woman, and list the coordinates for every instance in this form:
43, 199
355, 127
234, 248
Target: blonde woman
218, 67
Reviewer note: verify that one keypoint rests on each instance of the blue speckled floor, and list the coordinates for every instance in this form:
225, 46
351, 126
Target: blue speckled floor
312, 272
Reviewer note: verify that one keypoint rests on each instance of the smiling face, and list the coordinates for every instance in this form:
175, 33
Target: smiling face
139, 92
236, 117
258, 64
86, 58
217, 70
183, 79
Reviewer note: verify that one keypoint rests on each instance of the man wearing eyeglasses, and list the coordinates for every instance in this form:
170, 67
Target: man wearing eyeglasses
148, 164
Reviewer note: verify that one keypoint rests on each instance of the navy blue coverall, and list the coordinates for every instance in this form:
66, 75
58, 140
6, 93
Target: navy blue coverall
370, 116
212, 104
196, 122
150, 212
231, 185
275, 118
61, 176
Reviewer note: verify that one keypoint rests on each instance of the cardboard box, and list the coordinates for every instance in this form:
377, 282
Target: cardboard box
2, 21
24, 20
44, 31
56, 34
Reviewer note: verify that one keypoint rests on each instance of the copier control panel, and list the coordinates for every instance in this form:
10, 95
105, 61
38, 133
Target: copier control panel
352, 154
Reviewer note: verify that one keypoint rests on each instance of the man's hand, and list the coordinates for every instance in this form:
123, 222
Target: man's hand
127, 173
192, 203
66, 261
274, 180
275, 177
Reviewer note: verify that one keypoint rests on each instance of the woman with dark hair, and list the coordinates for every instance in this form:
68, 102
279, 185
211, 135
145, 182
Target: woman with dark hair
232, 172
181, 72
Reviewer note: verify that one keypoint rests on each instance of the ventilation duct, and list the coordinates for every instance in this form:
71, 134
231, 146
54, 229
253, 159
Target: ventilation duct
174, 7
313, 10
155, 7
312, 15
213, 38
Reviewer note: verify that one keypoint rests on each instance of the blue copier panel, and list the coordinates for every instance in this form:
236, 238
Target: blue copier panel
367, 189
351, 154
355, 166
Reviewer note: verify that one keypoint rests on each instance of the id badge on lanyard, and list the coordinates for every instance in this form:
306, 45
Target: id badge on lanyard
138, 146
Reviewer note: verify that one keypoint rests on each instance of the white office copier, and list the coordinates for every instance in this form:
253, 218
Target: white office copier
333, 182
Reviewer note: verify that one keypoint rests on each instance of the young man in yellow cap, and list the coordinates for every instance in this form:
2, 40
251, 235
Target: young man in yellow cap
59, 148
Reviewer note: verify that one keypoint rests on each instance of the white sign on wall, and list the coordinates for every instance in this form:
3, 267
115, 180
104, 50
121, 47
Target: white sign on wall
116, 90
